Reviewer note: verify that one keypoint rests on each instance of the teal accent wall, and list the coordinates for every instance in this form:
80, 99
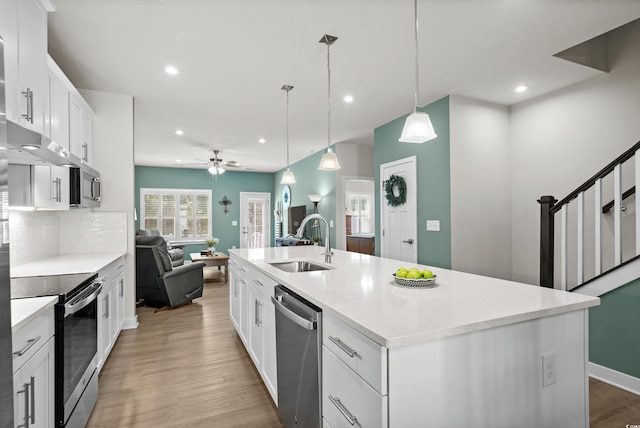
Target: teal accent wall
231, 183
310, 181
613, 333
433, 175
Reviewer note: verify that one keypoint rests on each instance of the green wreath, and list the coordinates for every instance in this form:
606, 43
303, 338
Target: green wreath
395, 181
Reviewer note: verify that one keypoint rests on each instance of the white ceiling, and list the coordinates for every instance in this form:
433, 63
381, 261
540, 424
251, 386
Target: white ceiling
234, 56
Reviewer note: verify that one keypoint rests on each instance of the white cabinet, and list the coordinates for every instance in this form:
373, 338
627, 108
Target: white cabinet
110, 307
57, 123
51, 187
80, 128
33, 373
253, 315
24, 28
354, 377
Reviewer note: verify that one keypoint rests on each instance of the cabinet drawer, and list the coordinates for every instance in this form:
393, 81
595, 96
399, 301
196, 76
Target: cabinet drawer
29, 339
347, 400
260, 281
357, 351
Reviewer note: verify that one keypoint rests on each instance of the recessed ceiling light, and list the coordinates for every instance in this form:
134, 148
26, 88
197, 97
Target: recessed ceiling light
348, 98
170, 69
179, 132
261, 140
178, 160
521, 88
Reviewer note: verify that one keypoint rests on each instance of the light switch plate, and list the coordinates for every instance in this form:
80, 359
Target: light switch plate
330, 223
234, 223
433, 225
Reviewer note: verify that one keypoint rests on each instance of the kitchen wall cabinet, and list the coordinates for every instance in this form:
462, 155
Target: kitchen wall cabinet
80, 128
24, 29
57, 123
253, 315
33, 373
39, 186
110, 305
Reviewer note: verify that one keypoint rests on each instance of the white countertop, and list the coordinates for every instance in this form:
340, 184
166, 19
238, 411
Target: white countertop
64, 264
361, 292
25, 310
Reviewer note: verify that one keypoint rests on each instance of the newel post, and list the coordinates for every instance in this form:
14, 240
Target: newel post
546, 240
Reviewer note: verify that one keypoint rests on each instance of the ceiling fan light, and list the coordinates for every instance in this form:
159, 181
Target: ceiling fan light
329, 162
288, 177
417, 129
216, 170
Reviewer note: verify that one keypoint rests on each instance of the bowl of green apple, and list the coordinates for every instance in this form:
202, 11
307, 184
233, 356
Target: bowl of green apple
414, 278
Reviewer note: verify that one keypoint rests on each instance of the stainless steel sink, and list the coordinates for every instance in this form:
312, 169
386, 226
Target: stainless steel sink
298, 266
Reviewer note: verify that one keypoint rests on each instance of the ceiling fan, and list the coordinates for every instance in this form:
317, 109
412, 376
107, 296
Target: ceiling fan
216, 164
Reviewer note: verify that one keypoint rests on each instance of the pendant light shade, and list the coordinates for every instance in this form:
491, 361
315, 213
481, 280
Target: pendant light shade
216, 170
329, 161
418, 127
287, 177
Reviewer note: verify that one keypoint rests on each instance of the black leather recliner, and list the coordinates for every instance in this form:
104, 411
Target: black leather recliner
176, 251
158, 283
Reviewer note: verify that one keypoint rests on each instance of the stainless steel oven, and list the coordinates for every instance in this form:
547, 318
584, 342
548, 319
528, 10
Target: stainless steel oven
76, 341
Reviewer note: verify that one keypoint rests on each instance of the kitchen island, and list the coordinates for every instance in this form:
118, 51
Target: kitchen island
468, 352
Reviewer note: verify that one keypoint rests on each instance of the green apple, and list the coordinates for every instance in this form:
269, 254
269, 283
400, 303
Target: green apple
414, 274
426, 273
414, 269
402, 273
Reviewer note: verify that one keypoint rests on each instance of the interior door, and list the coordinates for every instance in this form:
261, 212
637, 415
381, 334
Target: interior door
255, 220
399, 234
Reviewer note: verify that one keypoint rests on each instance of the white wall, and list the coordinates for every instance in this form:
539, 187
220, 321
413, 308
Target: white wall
561, 140
480, 188
113, 137
356, 161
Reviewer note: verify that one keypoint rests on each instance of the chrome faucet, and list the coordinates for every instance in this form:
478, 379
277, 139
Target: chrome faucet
327, 247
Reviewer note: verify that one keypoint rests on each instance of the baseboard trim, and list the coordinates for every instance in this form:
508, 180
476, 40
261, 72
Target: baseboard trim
615, 378
130, 323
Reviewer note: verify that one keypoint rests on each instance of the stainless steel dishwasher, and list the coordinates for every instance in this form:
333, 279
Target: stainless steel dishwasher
298, 343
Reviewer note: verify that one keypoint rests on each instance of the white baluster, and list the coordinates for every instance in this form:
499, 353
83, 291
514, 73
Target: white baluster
598, 226
580, 239
563, 247
617, 214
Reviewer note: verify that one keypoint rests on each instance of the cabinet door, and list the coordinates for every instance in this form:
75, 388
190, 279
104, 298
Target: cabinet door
234, 300
33, 387
255, 326
245, 309
75, 126
269, 359
32, 51
121, 305
114, 318
60, 187
42, 187
87, 138
105, 308
9, 33
58, 122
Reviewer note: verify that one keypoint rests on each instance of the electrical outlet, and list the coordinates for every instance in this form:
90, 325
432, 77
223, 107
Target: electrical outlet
548, 368
234, 223
330, 223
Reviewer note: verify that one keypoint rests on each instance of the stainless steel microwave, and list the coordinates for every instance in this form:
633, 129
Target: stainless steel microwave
85, 187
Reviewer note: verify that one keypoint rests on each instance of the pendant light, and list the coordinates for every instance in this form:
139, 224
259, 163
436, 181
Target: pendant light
417, 128
329, 161
287, 177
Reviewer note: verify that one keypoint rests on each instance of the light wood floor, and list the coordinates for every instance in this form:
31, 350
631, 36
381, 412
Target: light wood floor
187, 367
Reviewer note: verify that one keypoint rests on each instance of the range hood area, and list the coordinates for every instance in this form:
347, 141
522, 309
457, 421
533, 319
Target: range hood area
45, 175
30, 148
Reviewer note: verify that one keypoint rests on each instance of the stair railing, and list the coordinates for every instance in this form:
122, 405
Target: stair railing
549, 207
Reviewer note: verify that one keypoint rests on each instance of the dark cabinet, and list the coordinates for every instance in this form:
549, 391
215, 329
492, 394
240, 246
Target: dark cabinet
361, 244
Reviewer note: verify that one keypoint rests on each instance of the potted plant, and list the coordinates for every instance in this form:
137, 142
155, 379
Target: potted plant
211, 244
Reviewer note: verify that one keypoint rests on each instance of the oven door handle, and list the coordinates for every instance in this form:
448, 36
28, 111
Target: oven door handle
70, 309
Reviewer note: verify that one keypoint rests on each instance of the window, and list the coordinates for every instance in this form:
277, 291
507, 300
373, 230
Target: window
359, 207
179, 214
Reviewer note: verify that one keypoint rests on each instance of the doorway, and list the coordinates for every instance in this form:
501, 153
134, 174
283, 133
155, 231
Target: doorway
399, 234
255, 221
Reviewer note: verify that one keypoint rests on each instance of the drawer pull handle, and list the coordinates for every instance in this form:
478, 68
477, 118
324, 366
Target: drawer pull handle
30, 343
258, 282
348, 416
351, 352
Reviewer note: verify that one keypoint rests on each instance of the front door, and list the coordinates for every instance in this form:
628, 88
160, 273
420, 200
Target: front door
399, 234
255, 221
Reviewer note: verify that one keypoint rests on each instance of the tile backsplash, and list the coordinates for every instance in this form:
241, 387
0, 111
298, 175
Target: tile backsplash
40, 234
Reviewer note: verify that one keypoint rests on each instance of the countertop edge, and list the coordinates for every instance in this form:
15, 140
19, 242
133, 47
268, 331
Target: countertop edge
65, 264
34, 307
